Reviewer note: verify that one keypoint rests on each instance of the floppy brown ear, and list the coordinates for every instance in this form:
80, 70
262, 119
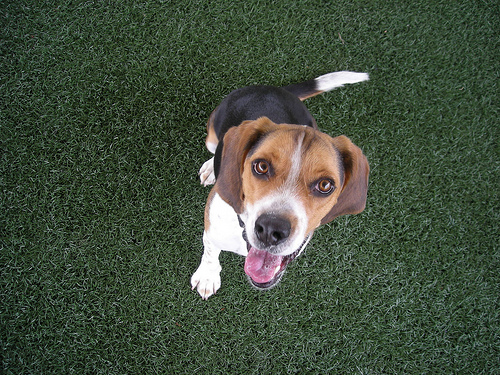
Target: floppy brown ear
352, 199
235, 146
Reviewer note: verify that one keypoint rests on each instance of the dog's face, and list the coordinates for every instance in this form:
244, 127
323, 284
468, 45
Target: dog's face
284, 181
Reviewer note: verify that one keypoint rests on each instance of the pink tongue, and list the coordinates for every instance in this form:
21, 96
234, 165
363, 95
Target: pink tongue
261, 266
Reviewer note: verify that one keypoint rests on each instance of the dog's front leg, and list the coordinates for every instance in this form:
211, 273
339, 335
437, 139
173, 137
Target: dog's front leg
206, 279
222, 232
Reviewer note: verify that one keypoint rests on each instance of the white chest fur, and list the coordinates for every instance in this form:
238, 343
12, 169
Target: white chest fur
225, 232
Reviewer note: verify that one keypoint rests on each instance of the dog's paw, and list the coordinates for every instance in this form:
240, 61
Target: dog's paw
206, 173
206, 281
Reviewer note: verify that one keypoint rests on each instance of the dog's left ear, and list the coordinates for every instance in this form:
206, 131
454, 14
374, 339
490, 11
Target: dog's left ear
352, 199
230, 156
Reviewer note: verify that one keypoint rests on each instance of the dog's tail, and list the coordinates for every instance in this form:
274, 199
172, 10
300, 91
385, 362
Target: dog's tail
325, 83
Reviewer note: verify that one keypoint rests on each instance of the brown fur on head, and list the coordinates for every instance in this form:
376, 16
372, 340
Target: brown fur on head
299, 158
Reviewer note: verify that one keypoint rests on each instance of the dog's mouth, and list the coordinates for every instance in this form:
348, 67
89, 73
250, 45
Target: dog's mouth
265, 270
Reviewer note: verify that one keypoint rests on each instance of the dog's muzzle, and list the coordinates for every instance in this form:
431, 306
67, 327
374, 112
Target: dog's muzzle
265, 270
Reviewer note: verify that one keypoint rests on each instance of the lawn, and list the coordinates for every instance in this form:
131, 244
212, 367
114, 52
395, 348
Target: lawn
103, 108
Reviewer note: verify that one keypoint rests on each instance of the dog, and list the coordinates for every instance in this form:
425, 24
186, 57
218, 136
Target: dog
276, 179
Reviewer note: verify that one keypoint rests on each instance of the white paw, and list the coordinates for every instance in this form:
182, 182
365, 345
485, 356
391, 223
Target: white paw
206, 280
206, 173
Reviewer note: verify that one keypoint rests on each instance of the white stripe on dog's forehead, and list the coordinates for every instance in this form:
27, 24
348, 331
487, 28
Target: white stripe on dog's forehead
296, 163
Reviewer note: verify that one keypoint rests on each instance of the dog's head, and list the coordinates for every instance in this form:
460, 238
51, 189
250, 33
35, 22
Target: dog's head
284, 181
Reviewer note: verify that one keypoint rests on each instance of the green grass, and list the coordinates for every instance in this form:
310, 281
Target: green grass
102, 113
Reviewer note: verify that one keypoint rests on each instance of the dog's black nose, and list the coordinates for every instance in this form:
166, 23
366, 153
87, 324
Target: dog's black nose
271, 229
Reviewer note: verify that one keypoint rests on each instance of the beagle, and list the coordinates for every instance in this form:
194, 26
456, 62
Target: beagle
277, 178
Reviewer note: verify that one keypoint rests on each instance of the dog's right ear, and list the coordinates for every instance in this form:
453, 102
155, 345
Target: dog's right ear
352, 199
230, 156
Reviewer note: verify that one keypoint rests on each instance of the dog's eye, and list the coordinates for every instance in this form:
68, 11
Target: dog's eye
261, 167
325, 186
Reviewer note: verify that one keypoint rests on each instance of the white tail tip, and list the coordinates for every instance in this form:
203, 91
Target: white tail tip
331, 81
